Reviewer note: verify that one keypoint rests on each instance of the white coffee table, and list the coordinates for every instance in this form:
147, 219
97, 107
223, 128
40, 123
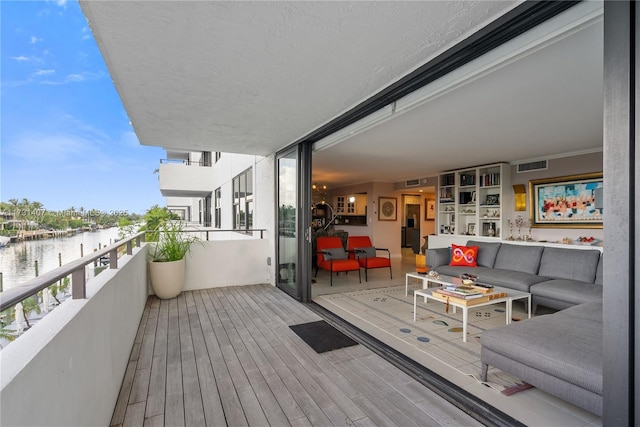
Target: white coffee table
419, 276
508, 300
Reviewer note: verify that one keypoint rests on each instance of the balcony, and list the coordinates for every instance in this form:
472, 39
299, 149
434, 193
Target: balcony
222, 352
179, 178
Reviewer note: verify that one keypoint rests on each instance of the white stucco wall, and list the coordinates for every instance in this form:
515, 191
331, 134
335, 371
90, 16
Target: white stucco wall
67, 369
220, 263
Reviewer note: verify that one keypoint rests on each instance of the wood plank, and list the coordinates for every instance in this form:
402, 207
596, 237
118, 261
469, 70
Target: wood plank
193, 408
135, 415
123, 397
174, 410
140, 387
157, 385
212, 405
156, 421
268, 402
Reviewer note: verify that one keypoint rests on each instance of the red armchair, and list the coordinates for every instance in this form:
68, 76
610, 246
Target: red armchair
365, 253
331, 256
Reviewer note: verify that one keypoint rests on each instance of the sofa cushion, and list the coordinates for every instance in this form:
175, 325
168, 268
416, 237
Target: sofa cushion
589, 311
463, 256
569, 291
523, 258
567, 347
509, 279
598, 280
437, 257
487, 252
574, 264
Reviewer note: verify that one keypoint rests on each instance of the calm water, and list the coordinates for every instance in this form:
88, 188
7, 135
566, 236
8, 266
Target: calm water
17, 261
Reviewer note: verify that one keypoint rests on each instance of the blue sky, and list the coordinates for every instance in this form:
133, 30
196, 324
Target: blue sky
66, 138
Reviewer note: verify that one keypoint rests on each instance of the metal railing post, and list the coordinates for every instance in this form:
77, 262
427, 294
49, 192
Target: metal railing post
78, 288
130, 247
113, 258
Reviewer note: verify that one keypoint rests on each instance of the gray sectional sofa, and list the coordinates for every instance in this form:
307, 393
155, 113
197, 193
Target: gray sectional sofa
556, 277
559, 353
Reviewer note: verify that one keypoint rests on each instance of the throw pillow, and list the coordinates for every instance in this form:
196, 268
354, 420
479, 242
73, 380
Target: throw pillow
369, 252
464, 256
335, 253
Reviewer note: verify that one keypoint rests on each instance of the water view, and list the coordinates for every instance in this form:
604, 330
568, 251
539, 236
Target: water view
17, 260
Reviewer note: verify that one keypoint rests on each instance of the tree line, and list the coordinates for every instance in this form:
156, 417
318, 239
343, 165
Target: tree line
26, 214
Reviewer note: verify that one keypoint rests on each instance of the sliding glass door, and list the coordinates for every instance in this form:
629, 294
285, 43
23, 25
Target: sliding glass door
293, 244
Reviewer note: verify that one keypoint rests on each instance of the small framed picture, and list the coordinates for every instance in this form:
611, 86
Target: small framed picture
471, 229
430, 209
493, 199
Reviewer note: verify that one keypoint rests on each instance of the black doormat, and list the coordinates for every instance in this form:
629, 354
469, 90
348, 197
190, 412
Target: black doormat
321, 336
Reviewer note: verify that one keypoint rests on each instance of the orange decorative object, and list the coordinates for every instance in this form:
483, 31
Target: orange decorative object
421, 264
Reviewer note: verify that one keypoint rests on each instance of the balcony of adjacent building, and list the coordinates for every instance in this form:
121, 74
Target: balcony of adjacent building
186, 174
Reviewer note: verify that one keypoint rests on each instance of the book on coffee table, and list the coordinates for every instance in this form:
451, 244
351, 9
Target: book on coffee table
460, 301
460, 291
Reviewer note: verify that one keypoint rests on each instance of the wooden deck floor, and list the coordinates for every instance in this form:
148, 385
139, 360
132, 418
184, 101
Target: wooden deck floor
226, 356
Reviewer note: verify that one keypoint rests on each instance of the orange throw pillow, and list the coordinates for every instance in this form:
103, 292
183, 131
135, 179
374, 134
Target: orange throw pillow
464, 256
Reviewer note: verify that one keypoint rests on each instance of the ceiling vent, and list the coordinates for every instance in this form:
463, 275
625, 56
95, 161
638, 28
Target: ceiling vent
412, 183
532, 166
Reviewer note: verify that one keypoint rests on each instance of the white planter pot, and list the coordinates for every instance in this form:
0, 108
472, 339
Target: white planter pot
167, 278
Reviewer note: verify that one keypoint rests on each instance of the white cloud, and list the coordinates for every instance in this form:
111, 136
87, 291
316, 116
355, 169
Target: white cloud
43, 73
74, 78
34, 40
60, 148
20, 58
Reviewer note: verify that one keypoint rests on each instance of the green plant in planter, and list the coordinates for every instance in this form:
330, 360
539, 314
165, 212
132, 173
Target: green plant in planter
173, 243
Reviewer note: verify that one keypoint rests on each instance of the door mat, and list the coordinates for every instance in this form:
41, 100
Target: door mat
321, 336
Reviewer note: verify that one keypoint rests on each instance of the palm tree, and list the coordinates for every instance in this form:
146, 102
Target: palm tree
29, 305
5, 319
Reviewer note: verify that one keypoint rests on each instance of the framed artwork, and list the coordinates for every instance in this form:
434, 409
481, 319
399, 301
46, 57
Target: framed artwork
387, 208
429, 209
568, 201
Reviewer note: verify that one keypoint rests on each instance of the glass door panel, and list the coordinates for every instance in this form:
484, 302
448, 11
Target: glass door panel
287, 252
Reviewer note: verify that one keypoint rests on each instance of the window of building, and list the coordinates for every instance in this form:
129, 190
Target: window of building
218, 208
243, 200
218, 155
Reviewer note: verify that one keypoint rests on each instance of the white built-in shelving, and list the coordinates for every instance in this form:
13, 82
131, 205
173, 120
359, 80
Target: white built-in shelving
472, 201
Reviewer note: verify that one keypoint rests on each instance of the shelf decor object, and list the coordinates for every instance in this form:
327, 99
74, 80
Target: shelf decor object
387, 209
567, 201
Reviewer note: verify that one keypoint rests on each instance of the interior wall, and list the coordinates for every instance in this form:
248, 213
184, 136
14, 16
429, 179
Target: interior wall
565, 166
387, 233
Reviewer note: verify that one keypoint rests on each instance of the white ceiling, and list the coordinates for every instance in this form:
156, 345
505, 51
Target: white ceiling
252, 77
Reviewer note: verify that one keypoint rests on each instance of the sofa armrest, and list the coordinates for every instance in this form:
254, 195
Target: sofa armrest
438, 256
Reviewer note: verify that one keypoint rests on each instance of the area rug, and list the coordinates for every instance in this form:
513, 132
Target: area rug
436, 333
321, 336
